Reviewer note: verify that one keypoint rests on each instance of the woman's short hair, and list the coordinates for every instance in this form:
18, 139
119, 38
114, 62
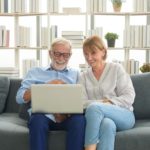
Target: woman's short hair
95, 42
62, 41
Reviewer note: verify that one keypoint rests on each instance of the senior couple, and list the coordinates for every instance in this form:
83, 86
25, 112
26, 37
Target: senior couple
108, 91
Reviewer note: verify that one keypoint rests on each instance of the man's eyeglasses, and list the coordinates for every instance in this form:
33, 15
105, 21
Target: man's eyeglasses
58, 54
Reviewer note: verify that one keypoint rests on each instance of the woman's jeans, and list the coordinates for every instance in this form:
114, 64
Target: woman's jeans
40, 126
102, 122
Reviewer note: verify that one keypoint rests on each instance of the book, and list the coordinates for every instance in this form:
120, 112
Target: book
71, 10
72, 33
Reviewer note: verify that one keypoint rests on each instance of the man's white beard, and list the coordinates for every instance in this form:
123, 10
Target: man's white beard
59, 65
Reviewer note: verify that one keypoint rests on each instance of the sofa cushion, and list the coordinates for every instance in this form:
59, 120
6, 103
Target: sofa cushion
141, 83
4, 88
11, 105
14, 132
137, 138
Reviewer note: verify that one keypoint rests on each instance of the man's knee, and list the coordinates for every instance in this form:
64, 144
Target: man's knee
37, 120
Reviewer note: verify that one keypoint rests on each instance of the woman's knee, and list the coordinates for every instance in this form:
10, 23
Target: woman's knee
108, 125
93, 110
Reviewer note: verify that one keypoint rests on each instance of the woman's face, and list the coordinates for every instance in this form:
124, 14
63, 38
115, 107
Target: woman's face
94, 57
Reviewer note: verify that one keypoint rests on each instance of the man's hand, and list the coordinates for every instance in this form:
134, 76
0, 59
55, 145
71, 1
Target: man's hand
58, 81
60, 117
27, 95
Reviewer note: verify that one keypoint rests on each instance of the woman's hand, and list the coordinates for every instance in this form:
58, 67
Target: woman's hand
105, 100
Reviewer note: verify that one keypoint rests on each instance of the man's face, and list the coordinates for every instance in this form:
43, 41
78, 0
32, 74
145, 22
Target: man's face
60, 56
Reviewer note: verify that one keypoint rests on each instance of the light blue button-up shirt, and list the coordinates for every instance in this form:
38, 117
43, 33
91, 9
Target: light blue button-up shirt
43, 75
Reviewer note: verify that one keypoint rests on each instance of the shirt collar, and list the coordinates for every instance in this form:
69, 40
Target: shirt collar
51, 68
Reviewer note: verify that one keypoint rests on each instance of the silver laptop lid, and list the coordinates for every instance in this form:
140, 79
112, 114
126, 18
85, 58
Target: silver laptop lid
57, 98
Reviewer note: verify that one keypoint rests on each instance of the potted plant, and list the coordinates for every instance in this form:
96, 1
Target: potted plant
111, 38
117, 5
145, 67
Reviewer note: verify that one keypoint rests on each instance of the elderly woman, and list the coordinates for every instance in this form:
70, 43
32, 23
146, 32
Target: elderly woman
109, 97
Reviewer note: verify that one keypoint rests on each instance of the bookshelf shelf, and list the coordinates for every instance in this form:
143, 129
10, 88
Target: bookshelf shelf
131, 48
81, 13
2, 48
120, 13
23, 14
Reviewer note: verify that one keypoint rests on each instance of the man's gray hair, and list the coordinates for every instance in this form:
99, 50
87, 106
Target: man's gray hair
61, 41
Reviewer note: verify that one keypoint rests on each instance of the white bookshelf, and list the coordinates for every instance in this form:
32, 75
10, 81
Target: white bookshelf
46, 19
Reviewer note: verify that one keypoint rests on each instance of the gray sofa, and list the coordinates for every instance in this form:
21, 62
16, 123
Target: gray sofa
14, 131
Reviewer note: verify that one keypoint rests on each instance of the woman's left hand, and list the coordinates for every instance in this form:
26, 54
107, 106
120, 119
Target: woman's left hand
107, 101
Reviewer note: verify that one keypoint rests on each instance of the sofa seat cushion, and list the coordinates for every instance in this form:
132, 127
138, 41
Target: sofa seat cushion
12, 119
4, 88
135, 138
15, 130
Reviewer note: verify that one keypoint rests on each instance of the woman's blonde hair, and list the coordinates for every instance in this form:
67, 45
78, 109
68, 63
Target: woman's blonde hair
93, 43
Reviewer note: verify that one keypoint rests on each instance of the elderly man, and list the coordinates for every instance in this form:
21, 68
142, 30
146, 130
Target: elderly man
40, 124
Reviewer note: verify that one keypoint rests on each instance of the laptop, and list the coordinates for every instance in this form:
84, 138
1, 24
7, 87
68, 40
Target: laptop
57, 98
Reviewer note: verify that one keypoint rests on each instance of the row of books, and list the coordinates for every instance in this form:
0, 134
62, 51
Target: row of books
140, 5
18, 6
3, 6
23, 37
4, 36
52, 6
24, 6
97, 31
137, 36
76, 37
27, 64
134, 36
48, 35
12, 72
71, 10
83, 67
131, 66
96, 6
33, 6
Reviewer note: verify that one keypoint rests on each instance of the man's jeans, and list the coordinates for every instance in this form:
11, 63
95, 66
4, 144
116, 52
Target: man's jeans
40, 126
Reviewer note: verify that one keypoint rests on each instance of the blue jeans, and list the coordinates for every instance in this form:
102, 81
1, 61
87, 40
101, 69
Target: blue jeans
102, 122
40, 125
